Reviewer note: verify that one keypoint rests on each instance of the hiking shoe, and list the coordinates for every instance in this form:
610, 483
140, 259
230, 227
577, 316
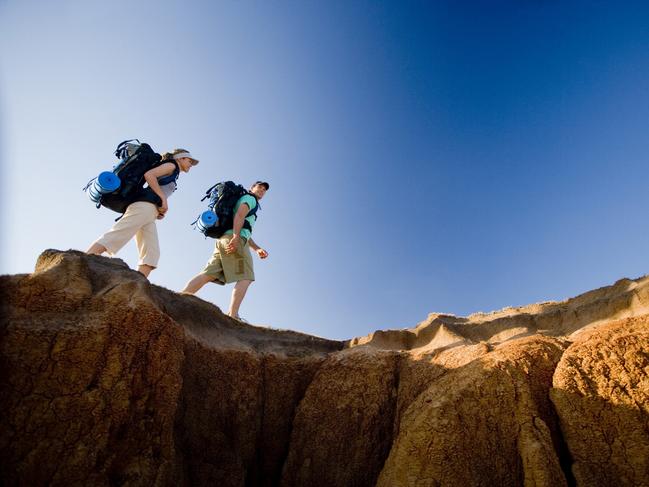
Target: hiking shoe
239, 318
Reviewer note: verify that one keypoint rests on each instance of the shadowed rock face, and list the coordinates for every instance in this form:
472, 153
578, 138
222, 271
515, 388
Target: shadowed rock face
487, 422
108, 380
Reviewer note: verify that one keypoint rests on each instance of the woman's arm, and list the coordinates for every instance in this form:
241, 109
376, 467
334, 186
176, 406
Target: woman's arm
152, 175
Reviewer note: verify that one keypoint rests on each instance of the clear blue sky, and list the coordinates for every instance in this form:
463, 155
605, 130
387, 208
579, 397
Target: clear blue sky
423, 156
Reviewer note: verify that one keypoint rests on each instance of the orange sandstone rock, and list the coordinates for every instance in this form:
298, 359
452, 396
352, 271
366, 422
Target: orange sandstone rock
601, 393
488, 422
106, 379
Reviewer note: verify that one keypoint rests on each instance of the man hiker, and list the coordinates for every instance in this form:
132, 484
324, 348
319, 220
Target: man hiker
231, 260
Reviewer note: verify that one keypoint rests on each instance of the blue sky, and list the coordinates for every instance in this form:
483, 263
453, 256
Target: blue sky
423, 156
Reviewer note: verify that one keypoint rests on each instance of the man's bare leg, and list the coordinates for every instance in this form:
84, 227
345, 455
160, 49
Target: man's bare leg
238, 294
196, 283
96, 249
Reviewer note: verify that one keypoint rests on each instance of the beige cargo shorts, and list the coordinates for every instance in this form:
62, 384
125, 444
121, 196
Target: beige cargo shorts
225, 268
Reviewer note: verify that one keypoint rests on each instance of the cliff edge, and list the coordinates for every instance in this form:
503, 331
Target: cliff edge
106, 379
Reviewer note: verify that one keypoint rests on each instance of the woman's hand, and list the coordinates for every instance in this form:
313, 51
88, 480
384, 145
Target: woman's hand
151, 177
162, 209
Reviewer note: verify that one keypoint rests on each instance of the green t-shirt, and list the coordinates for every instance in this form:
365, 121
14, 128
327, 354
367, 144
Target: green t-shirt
251, 202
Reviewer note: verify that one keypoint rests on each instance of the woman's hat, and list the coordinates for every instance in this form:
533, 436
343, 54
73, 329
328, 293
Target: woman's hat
188, 155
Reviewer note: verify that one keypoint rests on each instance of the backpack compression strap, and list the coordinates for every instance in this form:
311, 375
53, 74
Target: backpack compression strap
119, 152
207, 193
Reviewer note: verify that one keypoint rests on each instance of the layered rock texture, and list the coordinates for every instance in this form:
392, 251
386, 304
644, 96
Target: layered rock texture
106, 379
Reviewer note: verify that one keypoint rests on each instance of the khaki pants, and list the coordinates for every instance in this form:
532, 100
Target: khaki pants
233, 267
139, 221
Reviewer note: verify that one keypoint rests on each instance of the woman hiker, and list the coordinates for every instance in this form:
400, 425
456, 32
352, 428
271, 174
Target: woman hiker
140, 216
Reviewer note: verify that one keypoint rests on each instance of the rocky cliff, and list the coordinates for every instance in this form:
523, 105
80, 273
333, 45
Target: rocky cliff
106, 379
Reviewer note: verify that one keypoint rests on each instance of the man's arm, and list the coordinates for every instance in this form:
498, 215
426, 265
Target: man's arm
260, 252
239, 217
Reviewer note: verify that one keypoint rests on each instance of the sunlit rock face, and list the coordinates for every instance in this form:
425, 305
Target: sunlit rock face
601, 394
106, 379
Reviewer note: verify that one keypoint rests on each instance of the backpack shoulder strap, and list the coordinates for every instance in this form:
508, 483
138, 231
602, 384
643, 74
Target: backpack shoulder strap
253, 212
171, 177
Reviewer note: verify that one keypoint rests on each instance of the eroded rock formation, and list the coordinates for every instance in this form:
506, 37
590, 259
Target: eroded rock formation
601, 393
106, 379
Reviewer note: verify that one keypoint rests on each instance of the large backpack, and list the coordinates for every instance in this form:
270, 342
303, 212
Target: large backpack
136, 159
223, 198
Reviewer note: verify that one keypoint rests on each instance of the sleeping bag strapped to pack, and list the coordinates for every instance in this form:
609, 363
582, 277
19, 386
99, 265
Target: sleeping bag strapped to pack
219, 218
125, 184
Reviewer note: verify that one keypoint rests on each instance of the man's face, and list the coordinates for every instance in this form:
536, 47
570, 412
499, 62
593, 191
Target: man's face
258, 190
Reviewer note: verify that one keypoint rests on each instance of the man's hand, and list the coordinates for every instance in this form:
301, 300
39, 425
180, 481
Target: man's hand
262, 253
233, 244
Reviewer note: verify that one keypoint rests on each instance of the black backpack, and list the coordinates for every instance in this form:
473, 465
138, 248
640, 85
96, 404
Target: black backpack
136, 159
223, 198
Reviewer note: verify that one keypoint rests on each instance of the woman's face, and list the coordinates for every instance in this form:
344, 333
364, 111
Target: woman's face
185, 164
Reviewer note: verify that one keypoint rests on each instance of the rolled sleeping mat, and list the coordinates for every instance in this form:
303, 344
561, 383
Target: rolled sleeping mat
207, 220
105, 183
